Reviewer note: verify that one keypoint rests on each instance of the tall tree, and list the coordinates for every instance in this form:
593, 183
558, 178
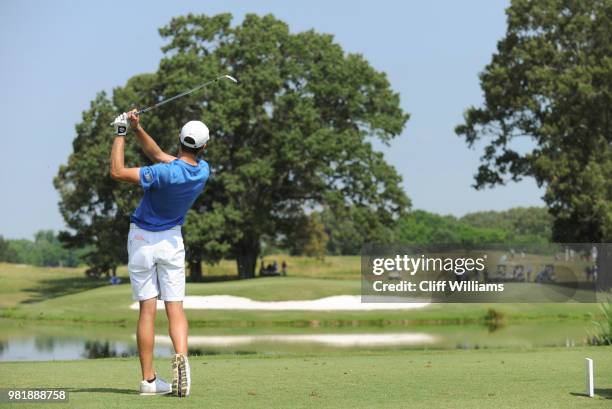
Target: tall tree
349, 228
92, 204
535, 221
294, 136
7, 254
309, 238
423, 228
551, 81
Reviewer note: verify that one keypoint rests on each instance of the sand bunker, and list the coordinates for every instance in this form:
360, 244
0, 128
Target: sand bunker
336, 340
334, 303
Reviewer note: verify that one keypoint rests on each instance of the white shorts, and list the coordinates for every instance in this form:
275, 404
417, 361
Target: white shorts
156, 263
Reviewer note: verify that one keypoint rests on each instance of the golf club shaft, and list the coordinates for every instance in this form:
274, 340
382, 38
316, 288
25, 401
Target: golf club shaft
182, 94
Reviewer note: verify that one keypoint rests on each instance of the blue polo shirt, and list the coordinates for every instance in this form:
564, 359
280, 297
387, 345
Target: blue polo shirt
169, 192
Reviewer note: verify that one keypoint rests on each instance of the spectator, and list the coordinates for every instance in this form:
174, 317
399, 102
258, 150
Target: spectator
270, 270
284, 268
529, 271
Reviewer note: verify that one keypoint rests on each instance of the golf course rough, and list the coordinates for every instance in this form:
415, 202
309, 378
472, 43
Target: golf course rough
536, 378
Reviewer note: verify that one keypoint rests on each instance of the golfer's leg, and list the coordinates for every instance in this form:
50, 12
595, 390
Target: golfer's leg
171, 279
145, 336
177, 326
143, 280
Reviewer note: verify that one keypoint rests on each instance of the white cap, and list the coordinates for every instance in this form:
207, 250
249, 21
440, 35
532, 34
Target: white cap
194, 134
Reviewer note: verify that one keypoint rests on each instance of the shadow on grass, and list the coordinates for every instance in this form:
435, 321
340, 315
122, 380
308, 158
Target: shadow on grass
103, 390
604, 393
57, 287
599, 392
214, 279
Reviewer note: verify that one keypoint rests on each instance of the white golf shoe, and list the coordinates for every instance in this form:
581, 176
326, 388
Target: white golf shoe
181, 375
157, 387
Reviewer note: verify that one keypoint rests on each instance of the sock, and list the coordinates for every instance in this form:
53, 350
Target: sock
152, 380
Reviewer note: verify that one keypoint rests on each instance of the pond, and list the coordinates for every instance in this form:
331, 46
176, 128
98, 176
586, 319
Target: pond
41, 341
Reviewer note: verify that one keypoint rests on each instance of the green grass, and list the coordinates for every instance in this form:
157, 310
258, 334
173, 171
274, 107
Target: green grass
21, 283
110, 304
278, 288
337, 267
540, 378
484, 378
67, 295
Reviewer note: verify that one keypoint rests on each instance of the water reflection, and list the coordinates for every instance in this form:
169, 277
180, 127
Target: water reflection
106, 349
45, 343
48, 348
354, 340
205, 352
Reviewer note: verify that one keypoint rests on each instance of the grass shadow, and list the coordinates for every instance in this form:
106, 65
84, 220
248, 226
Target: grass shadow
601, 392
103, 390
57, 287
214, 279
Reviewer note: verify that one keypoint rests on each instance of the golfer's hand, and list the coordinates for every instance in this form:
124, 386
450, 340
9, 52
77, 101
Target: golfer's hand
134, 119
121, 124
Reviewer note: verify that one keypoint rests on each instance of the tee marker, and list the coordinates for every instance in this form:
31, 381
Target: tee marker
589, 378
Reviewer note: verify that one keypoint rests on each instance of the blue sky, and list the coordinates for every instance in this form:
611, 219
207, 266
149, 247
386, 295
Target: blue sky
56, 55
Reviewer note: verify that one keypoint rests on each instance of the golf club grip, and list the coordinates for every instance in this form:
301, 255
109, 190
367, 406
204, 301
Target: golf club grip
139, 112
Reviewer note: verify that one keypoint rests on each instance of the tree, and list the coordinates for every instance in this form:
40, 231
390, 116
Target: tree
424, 229
534, 221
293, 137
349, 228
343, 233
7, 254
93, 205
309, 238
46, 250
551, 81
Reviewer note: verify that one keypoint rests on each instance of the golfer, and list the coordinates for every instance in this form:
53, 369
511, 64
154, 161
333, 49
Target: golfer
155, 244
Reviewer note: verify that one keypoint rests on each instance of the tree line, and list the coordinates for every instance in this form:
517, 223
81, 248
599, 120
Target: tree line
529, 225
45, 250
325, 234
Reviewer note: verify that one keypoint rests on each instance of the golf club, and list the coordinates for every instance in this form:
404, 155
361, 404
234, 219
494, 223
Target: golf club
182, 94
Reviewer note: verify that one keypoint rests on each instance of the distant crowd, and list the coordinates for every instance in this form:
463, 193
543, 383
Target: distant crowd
511, 266
271, 269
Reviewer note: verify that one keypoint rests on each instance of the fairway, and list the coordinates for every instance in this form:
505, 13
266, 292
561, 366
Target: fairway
540, 378
86, 306
66, 295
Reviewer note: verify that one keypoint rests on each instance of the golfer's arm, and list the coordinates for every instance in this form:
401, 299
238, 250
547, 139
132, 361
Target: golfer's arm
118, 171
150, 147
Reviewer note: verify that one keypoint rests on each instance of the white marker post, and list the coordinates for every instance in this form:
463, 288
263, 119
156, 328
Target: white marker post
590, 385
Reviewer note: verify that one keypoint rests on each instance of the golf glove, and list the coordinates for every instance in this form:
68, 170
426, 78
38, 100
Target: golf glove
121, 124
